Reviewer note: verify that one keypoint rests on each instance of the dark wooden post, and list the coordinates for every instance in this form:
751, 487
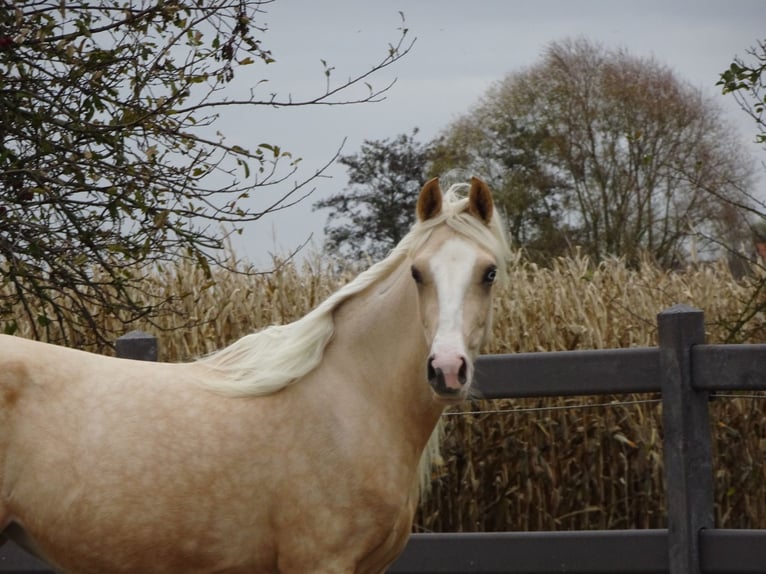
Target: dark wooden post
686, 428
137, 345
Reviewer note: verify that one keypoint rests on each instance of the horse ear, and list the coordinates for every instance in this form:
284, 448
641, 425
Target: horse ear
430, 200
480, 200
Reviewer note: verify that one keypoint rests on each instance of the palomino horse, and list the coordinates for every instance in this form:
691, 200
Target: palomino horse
296, 449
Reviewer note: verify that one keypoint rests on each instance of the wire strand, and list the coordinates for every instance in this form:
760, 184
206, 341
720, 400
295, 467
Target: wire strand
587, 405
732, 396
553, 408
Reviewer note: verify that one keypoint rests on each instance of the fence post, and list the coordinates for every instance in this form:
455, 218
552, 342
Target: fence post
686, 443
137, 345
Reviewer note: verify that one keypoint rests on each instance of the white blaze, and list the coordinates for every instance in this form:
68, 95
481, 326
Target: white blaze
451, 268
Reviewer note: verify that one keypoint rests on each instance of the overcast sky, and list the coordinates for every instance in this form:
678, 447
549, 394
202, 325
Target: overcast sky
461, 49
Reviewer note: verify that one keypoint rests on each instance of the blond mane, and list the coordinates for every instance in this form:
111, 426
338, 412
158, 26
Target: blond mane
267, 361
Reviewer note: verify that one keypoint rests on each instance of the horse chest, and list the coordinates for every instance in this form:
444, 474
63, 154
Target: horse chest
343, 510
362, 534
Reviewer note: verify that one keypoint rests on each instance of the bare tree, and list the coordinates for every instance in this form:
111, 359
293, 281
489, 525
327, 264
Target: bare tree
109, 160
628, 159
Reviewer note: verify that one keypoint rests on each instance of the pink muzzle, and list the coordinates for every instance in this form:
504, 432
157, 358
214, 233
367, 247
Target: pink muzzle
447, 373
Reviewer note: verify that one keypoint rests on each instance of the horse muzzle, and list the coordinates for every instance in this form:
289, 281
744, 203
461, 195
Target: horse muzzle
448, 376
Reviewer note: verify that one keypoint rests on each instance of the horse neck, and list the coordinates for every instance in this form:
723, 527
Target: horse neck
379, 332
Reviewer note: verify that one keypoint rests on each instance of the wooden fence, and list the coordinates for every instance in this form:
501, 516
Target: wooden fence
686, 372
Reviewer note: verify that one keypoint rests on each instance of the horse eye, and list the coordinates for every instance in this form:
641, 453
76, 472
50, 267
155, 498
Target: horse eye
416, 275
490, 274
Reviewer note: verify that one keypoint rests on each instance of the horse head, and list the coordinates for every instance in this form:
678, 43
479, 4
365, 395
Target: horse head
455, 269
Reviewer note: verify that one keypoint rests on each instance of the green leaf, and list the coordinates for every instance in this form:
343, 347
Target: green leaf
245, 166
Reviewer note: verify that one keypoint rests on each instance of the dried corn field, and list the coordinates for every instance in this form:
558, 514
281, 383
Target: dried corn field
543, 464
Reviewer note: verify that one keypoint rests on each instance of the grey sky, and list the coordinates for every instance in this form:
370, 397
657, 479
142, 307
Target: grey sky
461, 49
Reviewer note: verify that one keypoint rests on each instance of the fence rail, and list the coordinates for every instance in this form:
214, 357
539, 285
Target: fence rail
686, 372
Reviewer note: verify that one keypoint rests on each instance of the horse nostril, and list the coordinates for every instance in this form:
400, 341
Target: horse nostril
462, 374
431, 370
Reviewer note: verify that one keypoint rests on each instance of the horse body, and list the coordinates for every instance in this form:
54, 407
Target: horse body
133, 469
112, 465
